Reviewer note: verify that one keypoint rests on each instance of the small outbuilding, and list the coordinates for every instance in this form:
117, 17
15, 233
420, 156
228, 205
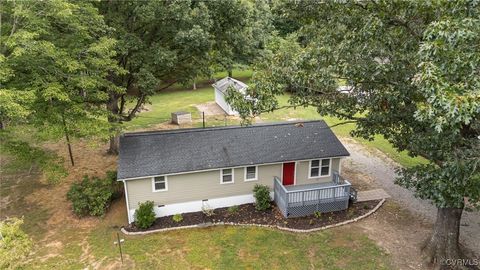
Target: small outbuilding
221, 88
181, 118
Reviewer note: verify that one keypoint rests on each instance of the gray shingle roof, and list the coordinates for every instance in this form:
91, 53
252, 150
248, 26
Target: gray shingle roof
183, 150
224, 83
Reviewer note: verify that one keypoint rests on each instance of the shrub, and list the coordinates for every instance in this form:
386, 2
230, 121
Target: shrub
144, 215
233, 209
317, 214
207, 210
262, 197
92, 196
117, 187
177, 218
15, 244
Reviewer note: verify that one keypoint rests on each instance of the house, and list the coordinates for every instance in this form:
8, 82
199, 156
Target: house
221, 88
184, 170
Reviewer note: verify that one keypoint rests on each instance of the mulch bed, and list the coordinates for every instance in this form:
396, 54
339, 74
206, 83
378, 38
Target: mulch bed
247, 214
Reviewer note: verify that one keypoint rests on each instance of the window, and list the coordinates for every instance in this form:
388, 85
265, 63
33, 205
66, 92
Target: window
319, 167
226, 176
159, 183
251, 173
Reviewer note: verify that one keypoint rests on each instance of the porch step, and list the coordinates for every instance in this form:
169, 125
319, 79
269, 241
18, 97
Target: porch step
371, 195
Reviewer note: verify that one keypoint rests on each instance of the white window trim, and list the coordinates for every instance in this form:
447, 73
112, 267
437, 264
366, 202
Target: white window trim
160, 190
221, 176
256, 174
319, 168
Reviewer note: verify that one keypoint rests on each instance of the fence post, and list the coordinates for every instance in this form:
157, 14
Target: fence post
203, 119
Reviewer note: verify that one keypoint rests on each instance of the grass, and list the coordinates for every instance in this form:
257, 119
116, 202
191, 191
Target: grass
244, 248
163, 104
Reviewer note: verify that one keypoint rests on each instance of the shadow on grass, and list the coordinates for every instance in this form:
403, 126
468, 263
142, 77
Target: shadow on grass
18, 182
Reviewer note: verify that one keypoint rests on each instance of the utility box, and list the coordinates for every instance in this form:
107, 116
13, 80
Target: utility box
181, 118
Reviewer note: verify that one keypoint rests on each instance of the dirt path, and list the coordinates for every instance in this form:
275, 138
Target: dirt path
379, 171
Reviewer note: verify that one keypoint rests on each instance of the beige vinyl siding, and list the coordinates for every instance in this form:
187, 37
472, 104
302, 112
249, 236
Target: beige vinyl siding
198, 186
302, 172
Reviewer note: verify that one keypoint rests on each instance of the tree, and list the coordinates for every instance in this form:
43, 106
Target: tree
56, 58
159, 43
240, 30
412, 68
15, 245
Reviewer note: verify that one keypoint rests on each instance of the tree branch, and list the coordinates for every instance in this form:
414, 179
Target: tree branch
131, 114
344, 123
167, 86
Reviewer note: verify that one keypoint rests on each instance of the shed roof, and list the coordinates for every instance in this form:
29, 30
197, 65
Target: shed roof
223, 84
175, 151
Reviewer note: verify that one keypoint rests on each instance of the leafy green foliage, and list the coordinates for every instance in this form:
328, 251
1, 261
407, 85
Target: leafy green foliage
15, 245
243, 38
233, 209
158, 42
177, 218
162, 43
317, 214
144, 215
56, 59
262, 197
412, 76
92, 196
421, 94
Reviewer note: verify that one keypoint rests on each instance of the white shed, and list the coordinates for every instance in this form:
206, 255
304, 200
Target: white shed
221, 88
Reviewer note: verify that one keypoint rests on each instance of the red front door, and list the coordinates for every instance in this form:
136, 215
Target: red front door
288, 173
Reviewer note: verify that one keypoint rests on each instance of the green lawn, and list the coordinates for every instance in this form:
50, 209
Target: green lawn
174, 100
246, 248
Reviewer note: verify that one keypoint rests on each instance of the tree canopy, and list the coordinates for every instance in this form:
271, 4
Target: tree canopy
166, 42
55, 58
411, 70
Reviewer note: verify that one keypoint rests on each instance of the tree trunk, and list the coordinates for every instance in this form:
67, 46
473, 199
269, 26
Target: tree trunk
114, 145
68, 140
443, 248
230, 73
113, 118
194, 85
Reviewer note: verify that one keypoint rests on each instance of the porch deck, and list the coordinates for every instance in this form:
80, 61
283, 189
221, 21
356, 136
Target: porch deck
303, 200
307, 187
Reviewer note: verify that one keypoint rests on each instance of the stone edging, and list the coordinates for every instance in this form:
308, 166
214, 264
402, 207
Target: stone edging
205, 225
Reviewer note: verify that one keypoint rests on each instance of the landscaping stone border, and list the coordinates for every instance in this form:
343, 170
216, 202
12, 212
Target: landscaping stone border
210, 224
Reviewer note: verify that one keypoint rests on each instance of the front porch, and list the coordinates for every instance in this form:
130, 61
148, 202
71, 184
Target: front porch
303, 200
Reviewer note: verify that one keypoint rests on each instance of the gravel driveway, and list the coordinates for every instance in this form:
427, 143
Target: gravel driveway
382, 170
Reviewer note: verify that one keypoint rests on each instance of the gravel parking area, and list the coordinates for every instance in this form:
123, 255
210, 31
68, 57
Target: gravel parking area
381, 169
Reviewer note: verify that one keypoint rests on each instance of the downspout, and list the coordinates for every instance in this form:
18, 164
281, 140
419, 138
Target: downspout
126, 200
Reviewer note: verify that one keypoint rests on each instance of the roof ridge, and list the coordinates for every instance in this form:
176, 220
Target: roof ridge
189, 130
